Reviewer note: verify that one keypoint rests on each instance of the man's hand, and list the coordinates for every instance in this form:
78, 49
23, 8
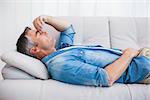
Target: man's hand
39, 21
58, 24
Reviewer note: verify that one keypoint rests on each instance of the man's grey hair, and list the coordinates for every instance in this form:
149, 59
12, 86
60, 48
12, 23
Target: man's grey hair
24, 43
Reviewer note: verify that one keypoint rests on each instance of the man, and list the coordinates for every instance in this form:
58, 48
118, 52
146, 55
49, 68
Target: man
82, 65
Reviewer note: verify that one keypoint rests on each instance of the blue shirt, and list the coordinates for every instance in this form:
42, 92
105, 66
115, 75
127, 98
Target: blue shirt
84, 65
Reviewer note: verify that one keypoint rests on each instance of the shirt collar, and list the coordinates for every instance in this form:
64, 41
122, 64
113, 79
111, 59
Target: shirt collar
46, 58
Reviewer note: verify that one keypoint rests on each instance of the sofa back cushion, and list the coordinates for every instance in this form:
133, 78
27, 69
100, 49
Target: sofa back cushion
123, 33
90, 30
129, 32
143, 31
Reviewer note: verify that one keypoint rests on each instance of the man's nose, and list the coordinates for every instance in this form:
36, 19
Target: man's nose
44, 33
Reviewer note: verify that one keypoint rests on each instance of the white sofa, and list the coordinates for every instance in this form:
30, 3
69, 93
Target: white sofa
112, 32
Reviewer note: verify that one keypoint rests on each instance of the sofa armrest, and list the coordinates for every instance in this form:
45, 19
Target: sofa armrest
2, 64
10, 72
1, 78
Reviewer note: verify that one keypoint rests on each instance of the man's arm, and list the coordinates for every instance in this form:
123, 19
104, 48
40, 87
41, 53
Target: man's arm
116, 69
66, 38
58, 24
67, 32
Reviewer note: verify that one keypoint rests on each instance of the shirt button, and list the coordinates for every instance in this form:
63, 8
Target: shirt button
81, 52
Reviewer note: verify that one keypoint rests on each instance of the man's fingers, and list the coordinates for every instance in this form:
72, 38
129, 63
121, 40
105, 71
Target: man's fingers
38, 22
41, 20
36, 25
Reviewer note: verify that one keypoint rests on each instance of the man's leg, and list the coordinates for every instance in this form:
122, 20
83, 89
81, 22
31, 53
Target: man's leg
145, 52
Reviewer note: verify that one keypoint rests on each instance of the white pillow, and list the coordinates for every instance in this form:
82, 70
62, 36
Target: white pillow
26, 63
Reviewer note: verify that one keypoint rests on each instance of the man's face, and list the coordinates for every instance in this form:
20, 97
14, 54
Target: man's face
42, 39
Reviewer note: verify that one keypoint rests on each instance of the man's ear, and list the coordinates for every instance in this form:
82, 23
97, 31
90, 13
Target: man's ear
34, 50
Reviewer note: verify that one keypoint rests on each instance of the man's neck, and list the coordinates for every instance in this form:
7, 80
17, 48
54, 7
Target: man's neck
46, 53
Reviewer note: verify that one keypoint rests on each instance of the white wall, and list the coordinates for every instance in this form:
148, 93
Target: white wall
16, 14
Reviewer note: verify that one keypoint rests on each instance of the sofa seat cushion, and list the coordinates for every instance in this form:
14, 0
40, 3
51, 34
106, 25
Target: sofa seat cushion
139, 91
20, 89
54, 90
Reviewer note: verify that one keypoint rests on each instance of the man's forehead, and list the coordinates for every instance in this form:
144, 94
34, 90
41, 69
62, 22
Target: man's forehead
31, 33
33, 28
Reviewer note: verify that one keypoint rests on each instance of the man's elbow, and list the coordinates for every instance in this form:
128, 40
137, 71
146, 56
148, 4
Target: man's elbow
110, 83
111, 78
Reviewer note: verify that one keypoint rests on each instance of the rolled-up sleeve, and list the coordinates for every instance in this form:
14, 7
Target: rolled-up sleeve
78, 72
66, 38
